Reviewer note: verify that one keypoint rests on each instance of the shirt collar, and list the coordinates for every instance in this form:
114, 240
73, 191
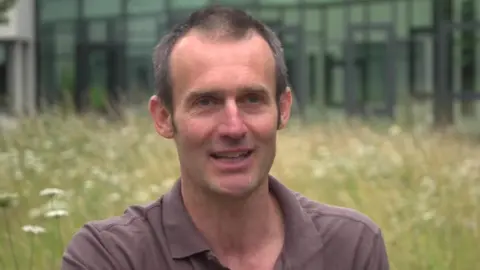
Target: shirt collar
302, 238
182, 236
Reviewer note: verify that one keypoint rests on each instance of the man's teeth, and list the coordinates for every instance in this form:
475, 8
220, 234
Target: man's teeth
232, 155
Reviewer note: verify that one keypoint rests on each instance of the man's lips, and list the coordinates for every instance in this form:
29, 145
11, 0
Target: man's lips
236, 153
232, 160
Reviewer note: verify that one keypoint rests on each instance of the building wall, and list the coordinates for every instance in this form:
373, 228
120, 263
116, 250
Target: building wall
140, 23
17, 43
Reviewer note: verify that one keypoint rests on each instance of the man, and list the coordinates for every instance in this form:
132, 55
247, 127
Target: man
222, 96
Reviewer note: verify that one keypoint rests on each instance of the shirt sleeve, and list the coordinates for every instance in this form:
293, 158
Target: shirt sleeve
378, 259
88, 251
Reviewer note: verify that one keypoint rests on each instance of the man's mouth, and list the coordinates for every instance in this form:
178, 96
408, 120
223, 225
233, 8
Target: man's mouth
233, 155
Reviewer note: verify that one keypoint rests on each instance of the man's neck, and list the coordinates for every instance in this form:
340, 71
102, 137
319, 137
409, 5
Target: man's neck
237, 228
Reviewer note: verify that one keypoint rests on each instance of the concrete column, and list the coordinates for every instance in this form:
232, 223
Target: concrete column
15, 86
29, 79
21, 78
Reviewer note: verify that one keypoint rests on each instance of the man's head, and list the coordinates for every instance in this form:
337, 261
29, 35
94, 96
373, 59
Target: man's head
221, 95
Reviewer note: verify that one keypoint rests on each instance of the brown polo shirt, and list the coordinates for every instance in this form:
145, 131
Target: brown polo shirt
161, 236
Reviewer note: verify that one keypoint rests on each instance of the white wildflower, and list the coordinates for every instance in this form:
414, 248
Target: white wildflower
52, 192
33, 229
56, 213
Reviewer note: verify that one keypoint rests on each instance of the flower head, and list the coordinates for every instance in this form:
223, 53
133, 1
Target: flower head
52, 192
56, 213
33, 229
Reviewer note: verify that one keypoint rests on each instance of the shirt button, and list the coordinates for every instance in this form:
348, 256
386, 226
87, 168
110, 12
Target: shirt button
211, 257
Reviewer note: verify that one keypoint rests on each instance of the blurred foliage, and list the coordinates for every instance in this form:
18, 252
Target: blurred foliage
5, 6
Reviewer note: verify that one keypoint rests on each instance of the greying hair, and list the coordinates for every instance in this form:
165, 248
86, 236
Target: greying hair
220, 23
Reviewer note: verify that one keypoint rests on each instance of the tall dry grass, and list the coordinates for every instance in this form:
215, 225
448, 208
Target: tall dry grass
422, 189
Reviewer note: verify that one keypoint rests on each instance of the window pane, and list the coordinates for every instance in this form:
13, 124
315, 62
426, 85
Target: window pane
145, 6
98, 8
58, 10
189, 3
64, 38
142, 30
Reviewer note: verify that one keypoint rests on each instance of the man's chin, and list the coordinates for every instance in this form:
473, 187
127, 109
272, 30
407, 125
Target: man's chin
234, 187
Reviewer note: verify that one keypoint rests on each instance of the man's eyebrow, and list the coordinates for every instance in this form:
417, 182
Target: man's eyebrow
253, 88
196, 93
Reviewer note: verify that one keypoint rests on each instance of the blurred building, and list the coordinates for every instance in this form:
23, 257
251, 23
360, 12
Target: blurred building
361, 56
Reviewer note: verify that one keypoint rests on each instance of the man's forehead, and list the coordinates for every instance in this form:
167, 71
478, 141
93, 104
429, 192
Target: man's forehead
200, 45
197, 62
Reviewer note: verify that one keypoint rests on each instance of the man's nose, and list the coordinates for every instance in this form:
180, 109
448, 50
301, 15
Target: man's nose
232, 124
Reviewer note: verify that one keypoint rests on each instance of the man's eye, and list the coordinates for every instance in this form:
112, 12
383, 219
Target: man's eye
252, 99
205, 101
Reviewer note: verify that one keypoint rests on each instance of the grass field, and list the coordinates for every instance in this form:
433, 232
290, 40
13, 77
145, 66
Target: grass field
422, 189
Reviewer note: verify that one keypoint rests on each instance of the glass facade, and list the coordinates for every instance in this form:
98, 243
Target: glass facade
340, 53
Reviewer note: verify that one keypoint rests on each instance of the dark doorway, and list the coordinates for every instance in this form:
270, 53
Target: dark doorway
468, 45
98, 83
370, 85
464, 87
296, 59
419, 59
4, 93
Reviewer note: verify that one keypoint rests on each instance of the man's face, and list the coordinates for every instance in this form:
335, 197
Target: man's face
225, 113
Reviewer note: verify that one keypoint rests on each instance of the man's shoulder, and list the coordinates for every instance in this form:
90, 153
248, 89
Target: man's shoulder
114, 241
133, 220
325, 215
348, 232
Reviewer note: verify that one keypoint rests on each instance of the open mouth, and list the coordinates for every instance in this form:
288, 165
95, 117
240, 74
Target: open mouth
231, 156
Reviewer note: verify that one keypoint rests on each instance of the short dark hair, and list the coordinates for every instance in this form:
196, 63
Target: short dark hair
220, 20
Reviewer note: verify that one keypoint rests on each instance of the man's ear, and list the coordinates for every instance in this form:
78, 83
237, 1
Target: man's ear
285, 106
161, 116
